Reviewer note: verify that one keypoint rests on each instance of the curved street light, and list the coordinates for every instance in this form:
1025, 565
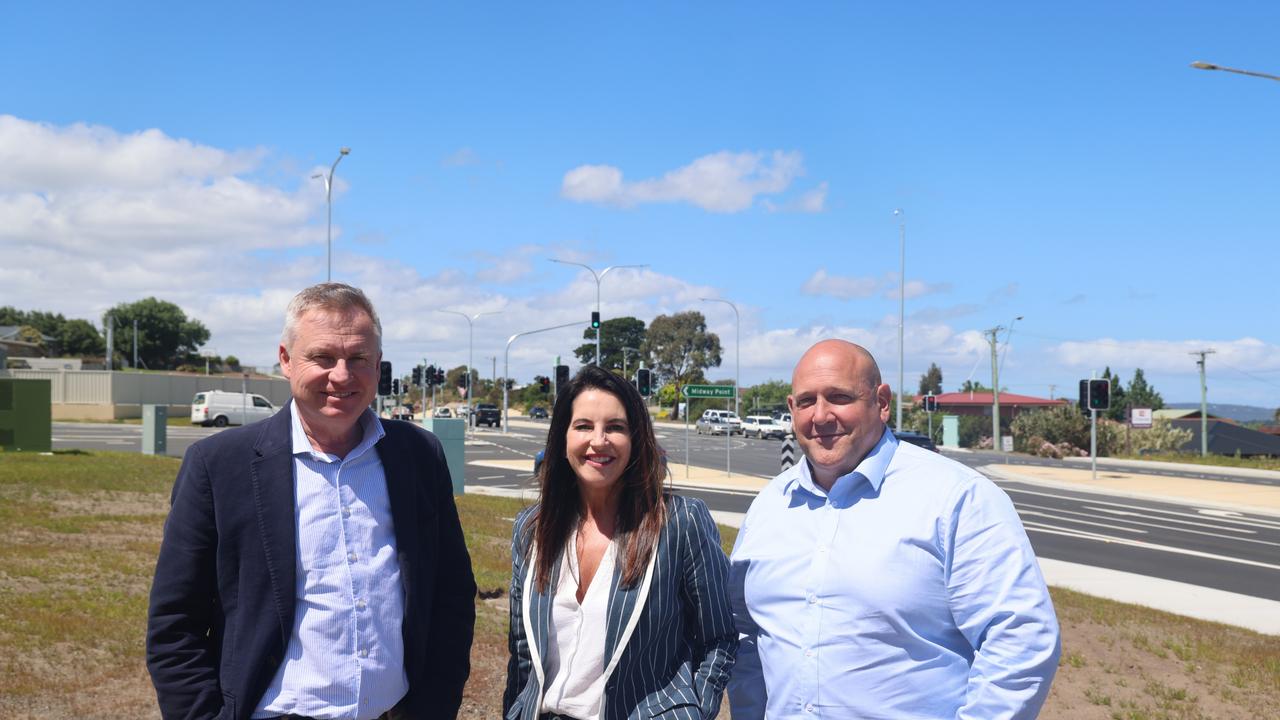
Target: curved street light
598, 278
1201, 65
470, 349
328, 196
737, 350
506, 366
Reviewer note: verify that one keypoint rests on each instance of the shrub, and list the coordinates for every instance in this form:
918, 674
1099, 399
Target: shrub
1162, 436
1065, 430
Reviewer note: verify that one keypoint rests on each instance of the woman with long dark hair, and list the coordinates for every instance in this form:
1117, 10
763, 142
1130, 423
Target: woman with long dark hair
619, 603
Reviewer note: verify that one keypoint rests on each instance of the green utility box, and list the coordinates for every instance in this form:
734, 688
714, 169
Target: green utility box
452, 434
155, 421
26, 415
951, 431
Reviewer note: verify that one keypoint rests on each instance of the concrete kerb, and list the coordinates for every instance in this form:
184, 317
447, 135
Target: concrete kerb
1184, 467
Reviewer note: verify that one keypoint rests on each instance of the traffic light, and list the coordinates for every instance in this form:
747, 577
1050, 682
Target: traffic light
562, 376
395, 386
1099, 394
417, 375
595, 319
429, 375
439, 376
930, 403
384, 378
643, 382
545, 383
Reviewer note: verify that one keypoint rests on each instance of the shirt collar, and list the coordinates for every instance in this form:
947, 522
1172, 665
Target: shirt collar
372, 433
872, 469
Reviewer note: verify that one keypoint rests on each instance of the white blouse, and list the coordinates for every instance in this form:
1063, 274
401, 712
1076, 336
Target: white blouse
576, 638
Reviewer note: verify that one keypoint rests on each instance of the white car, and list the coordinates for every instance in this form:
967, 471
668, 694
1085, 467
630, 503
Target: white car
220, 408
762, 426
716, 422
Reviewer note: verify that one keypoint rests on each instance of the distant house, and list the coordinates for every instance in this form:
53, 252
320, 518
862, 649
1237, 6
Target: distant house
14, 346
1186, 414
1228, 438
979, 403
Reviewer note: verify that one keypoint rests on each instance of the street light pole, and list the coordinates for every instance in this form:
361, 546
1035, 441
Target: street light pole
470, 349
626, 353
1007, 339
328, 196
902, 303
506, 367
737, 350
996, 445
598, 278
1200, 65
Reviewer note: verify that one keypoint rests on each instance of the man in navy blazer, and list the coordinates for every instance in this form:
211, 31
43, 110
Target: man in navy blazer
313, 564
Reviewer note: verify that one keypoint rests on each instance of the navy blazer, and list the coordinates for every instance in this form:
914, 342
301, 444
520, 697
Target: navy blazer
670, 639
222, 604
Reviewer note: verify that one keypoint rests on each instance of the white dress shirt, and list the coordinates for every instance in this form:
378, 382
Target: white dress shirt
576, 638
345, 658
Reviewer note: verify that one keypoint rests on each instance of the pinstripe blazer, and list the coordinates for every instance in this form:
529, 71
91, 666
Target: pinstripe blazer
670, 641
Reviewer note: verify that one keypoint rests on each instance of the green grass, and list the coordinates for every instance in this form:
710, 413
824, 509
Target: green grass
1256, 463
82, 529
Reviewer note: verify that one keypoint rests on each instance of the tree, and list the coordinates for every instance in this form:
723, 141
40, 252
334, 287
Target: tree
1140, 394
29, 334
166, 336
765, 396
615, 334
931, 380
974, 386
457, 378
78, 338
681, 347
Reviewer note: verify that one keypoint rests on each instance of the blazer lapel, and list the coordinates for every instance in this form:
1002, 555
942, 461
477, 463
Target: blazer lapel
625, 608
537, 617
398, 469
271, 478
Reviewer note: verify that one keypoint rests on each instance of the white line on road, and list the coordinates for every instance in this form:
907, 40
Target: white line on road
1067, 532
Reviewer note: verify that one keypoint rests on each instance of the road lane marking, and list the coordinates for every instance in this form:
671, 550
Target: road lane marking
1189, 506
1034, 513
1067, 532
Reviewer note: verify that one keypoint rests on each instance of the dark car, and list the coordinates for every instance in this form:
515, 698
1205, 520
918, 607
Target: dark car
537, 412
487, 414
916, 438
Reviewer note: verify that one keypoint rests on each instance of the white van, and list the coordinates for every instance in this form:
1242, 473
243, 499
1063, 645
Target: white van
221, 408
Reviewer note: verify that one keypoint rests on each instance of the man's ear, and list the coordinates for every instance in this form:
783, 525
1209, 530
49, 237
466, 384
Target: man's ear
283, 354
884, 398
791, 404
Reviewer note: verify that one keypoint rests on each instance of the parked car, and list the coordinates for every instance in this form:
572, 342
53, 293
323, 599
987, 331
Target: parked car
718, 422
537, 412
487, 414
784, 419
220, 408
916, 438
442, 412
762, 426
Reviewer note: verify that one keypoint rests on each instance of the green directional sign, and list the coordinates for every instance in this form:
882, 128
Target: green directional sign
708, 391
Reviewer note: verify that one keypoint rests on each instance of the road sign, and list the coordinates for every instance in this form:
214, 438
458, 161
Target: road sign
788, 452
708, 391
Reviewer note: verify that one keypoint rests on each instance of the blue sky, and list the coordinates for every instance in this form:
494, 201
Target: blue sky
1064, 165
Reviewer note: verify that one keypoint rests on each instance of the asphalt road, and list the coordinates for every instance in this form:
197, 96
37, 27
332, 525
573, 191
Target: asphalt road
1227, 550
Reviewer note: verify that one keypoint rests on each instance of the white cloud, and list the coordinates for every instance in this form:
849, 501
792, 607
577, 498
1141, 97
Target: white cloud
838, 286
822, 283
814, 201
460, 158
723, 182
1168, 356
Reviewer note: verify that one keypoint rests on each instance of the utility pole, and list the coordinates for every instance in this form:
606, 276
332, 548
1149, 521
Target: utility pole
995, 390
111, 340
1051, 388
1204, 402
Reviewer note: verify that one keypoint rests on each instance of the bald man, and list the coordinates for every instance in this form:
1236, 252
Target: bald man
881, 580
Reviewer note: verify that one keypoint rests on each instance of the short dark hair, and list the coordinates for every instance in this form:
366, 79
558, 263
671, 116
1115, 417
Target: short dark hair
642, 504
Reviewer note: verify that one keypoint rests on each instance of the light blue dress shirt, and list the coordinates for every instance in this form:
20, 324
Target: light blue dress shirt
345, 657
908, 591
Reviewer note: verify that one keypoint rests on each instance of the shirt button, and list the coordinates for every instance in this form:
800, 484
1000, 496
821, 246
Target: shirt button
346, 512
360, 605
808, 653
352, 558
812, 598
364, 652
808, 708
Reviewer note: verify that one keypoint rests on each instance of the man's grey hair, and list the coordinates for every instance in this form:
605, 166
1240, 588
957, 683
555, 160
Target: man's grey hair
329, 297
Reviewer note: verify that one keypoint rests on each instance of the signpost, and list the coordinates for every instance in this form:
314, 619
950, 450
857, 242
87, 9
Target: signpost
1140, 417
709, 391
